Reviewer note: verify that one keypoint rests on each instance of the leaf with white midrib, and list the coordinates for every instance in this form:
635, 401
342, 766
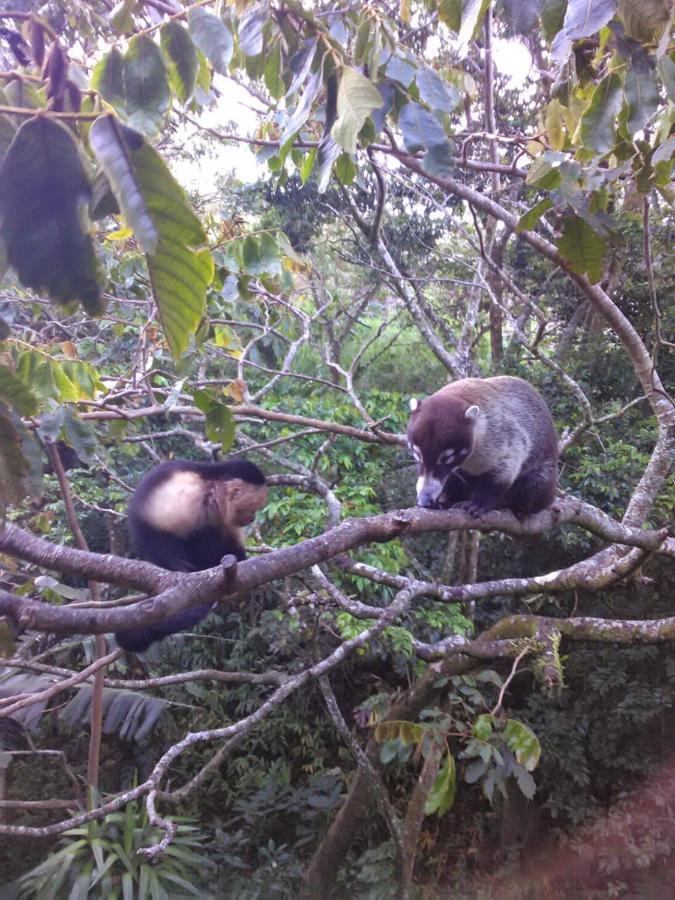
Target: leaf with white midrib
155, 206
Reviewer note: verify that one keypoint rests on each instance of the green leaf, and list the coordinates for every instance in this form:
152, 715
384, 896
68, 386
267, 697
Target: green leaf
301, 112
272, 74
435, 92
586, 17
482, 727
583, 248
15, 392
250, 32
345, 169
442, 793
529, 219
472, 19
523, 743
666, 67
108, 79
525, 781
555, 116
212, 36
422, 131
450, 14
642, 97
7, 135
15, 464
598, 122
357, 98
146, 89
169, 232
182, 55
552, 17
307, 165
44, 188
219, 424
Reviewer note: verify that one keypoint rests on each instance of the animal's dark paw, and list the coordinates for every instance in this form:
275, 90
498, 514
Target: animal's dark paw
477, 510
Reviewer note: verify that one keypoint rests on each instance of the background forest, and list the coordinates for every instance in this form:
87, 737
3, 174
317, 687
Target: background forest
386, 701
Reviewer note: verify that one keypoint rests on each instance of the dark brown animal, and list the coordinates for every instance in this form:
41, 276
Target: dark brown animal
186, 516
484, 443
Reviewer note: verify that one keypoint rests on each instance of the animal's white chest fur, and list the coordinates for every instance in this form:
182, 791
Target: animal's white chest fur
177, 505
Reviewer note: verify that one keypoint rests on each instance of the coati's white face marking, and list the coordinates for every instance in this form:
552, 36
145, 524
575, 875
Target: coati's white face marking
416, 452
429, 489
446, 458
413, 403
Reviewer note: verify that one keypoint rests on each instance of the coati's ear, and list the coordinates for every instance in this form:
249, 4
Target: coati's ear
472, 412
414, 404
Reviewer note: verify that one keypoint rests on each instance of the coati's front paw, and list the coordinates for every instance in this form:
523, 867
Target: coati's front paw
473, 508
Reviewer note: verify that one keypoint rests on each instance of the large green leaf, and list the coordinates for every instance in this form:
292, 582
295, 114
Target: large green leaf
442, 793
213, 38
146, 89
182, 56
108, 79
583, 248
523, 743
586, 17
552, 16
472, 18
357, 98
20, 462
598, 123
164, 224
16, 393
435, 92
642, 97
422, 131
301, 112
44, 190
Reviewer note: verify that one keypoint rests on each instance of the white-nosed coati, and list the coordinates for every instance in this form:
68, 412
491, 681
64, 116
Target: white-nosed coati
483, 443
186, 516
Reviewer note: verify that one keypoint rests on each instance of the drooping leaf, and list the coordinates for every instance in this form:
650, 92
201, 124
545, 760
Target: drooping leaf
272, 74
586, 17
15, 393
583, 248
401, 70
44, 192
523, 743
666, 67
357, 98
642, 97
212, 37
250, 32
165, 226
552, 17
301, 112
435, 92
345, 169
450, 14
219, 422
182, 56
422, 131
472, 19
529, 219
19, 459
598, 123
442, 794
146, 89
555, 116
108, 79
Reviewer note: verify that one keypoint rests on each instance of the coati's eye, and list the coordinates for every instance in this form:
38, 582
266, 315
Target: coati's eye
446, 458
